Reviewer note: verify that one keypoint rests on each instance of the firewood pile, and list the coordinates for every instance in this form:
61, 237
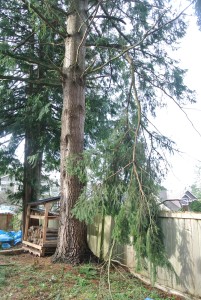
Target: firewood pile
35, 235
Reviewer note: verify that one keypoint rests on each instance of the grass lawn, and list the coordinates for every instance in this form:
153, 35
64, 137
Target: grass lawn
27, 277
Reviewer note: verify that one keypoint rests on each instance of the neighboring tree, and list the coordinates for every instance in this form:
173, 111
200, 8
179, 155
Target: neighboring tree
195, 206
196, 190
198, 11
31, 103
29, 110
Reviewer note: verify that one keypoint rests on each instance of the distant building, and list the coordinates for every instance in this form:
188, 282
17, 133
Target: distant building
187, 198
7, 184
177, 204
10, 185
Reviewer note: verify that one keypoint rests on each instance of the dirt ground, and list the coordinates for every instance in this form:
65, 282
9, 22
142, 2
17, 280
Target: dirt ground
25, 276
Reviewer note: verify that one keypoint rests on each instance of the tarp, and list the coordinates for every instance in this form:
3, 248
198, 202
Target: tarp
9, 239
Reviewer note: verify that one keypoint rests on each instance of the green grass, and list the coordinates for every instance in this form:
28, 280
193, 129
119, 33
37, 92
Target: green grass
3, 275
61, 282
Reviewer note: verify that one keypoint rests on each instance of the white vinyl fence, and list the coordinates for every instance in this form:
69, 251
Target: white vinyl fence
182, 238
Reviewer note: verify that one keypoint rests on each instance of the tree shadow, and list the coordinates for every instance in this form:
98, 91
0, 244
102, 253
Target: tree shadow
185, 258
178, 245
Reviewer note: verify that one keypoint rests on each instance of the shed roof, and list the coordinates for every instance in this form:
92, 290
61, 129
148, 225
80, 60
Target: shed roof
43, 201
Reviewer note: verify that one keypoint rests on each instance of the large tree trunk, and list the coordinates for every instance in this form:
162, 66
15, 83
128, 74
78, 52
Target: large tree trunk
32, 173
72, 242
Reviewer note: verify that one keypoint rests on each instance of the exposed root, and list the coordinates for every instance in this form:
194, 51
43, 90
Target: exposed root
68, 258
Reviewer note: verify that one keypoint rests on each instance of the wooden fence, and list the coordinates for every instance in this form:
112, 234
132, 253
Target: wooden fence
182, 238
6, 221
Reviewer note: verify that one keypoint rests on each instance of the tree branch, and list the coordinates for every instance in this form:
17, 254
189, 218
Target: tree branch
43, 18
115, 26
110, 17
149, 32
34, 81
31, 60
24, 41
87, 29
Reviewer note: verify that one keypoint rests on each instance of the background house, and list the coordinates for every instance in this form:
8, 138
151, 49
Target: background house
49, 187
176, 204
7, 213
7, 184
187, 198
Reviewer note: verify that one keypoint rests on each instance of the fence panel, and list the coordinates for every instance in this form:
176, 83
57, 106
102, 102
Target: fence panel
182, 238
6, 221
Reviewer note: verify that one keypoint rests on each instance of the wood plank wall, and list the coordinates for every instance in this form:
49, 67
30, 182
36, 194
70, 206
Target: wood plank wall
6, 222
182, 238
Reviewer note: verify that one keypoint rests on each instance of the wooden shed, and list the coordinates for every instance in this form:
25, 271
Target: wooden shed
41, 226
6, 221
6, 217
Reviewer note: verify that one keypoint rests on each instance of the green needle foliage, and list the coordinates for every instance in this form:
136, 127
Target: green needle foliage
113, 189
128, 74
123, 174
30, 111
197, 4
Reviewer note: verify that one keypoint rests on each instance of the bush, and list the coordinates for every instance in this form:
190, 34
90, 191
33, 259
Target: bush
195, 206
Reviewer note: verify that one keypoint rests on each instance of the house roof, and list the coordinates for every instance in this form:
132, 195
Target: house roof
188, 195
187, 198
172, 204
176, 204
191, 195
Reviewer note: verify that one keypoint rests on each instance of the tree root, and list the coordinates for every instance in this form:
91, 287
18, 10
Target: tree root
68, 258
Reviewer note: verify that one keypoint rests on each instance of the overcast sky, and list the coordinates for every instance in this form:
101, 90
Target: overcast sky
173, 123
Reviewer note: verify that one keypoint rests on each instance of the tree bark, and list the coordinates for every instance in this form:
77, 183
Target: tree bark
72, 236
32, 173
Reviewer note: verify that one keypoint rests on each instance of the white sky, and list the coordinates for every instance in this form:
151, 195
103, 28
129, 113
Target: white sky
173, 123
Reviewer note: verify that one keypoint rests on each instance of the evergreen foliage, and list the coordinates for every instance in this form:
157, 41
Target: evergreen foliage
128, 74
198, 11
29, 110
124, 173
195, 206
195, 188
31, 53
113, 189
